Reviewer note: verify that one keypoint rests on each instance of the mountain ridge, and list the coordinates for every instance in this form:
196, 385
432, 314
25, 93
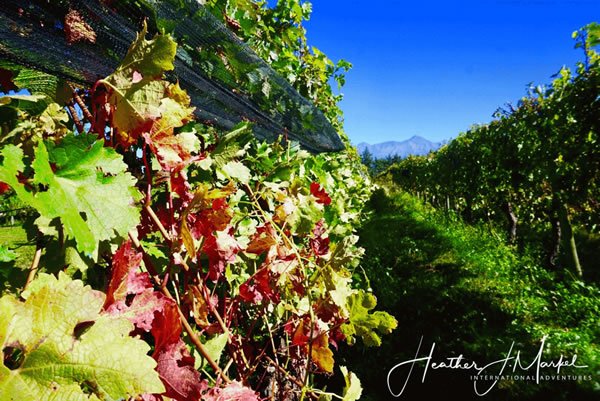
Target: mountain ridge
415, 145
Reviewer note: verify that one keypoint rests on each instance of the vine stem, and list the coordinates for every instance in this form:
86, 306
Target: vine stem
148, 173
186, 326
75, 117
163, 231
81, 103
34, 266
156, 220
298, 383
196, 341
206, 297
291, 244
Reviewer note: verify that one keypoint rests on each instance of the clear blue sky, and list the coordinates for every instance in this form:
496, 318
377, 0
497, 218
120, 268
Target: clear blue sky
433, 68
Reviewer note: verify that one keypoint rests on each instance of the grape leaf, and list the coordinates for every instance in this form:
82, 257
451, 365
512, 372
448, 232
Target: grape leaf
80, 181
54, 89
142, 103
221, 248
175, 364
353, 389
176, 370
235, 391
319, 192
6, 255
263, 240
61, 347
340, 289
173, 151
232, 144
259, 287
235, 170
151, 311
321, 354
301, 212
364, 324
126, 279
319, 243
150, 57
215, 347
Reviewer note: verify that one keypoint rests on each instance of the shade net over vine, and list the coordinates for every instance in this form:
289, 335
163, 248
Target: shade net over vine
84, 40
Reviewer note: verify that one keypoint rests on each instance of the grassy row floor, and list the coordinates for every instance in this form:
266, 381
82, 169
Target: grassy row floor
463, 288
14, 273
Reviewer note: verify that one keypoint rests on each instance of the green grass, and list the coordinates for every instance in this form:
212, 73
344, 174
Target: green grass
465, 289
15, 272
15, 238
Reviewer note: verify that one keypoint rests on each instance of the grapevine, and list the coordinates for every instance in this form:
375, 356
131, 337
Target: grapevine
226, 262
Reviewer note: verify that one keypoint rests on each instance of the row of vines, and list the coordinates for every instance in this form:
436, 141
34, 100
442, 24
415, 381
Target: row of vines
536, 165
173, 260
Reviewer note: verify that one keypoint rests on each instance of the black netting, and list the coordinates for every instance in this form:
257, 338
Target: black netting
227, 81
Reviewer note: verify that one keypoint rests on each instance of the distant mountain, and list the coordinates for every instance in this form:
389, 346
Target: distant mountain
414, 146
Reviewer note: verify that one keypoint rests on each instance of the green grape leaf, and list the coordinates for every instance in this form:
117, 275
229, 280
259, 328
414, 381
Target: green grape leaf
215, 347
58, 345
301, 213
6, 255
345, 252
353, 389
32, 104
150, 57
231, 145
52, 88
364, 324
80, 181
235, 170
340, 289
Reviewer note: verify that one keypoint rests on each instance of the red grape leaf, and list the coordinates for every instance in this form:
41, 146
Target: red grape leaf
263, 240
176, 370
127, 280
249, 293
151, 311
142, 310
181, 186
216, 218
125, 277
4, 188
319, 243
173, 151
221, 248
167, 327
175, 364
259, 287
319, 192
300, 338
235, 391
